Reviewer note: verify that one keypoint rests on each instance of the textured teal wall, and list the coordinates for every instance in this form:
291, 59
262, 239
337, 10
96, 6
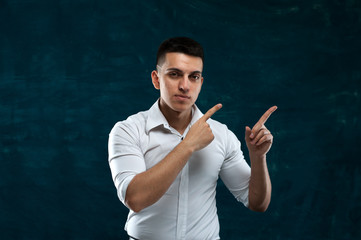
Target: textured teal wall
70, 69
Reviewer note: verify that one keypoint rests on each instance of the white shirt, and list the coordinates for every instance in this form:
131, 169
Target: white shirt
188, 209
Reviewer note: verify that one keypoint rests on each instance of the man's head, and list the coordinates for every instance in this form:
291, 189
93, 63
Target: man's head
180, 45
179, 74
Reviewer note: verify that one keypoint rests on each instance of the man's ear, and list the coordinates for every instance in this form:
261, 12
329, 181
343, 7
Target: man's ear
155, 79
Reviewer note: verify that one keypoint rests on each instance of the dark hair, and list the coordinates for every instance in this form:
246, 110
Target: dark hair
182, 45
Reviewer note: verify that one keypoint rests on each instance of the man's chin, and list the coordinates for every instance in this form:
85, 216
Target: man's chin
181, 107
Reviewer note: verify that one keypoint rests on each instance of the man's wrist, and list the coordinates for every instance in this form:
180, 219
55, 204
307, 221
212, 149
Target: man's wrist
256, 157
186, 147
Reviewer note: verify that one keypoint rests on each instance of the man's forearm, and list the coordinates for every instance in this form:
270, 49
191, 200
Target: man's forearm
148, 187
260, 184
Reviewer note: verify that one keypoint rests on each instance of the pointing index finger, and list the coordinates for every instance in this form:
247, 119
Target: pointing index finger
211, 111
266, 115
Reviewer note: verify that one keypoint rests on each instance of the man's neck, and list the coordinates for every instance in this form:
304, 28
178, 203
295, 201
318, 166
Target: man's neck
177, 120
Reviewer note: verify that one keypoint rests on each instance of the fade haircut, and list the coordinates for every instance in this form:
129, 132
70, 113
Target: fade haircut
180, 45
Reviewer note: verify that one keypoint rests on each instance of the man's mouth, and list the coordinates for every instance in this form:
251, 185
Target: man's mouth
182, 97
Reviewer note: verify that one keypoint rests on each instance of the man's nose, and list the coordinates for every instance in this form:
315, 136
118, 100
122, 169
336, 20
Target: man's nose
184, 84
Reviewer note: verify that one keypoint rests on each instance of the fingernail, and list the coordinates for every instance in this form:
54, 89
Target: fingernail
251, 136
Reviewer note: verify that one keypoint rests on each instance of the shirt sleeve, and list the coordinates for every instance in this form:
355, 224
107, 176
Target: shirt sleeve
235, 171
125, 156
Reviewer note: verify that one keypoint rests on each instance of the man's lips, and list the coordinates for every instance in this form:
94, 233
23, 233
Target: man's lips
179, 96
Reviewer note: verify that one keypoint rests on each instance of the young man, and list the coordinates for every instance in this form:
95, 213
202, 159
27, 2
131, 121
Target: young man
165, 162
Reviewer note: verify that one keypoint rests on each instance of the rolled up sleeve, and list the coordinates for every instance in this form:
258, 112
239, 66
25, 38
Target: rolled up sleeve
235, 171
125, 156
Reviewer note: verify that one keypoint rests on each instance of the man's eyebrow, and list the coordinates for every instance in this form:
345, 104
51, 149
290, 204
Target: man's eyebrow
174, 69
178, 70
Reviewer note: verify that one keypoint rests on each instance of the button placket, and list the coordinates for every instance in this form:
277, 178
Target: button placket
182, 204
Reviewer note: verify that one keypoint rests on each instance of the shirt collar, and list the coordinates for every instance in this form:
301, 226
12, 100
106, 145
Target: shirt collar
156, 117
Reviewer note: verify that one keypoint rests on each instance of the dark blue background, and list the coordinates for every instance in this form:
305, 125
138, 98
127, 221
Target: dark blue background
70, 69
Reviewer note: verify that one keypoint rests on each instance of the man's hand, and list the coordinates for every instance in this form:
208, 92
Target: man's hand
259, 139
200, 134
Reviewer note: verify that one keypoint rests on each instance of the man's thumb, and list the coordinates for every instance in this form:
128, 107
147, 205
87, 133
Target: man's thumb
248, 133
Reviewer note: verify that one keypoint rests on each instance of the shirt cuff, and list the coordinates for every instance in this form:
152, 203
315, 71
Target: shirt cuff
122, 181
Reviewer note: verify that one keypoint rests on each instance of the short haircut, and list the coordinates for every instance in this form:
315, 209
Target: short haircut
181, 45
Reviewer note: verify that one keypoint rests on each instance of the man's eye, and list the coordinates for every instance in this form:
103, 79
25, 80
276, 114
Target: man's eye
195, 77
173, 74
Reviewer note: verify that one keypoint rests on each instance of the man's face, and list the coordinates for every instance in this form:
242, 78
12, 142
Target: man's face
179, 80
